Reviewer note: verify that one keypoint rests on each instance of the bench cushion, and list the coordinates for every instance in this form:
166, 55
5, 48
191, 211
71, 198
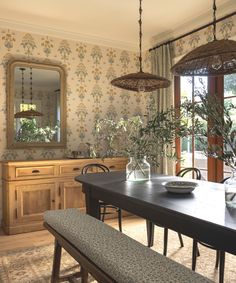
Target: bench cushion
123, 258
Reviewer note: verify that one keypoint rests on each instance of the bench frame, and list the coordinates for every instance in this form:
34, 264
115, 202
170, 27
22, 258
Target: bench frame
87, 266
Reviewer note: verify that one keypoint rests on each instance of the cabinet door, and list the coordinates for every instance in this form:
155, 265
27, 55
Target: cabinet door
33, 199
72, 195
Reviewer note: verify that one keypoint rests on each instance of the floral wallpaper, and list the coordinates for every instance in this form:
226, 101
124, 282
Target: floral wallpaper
90, 96
90, 68
225, 29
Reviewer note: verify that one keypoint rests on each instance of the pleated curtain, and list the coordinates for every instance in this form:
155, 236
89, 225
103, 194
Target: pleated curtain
161, 59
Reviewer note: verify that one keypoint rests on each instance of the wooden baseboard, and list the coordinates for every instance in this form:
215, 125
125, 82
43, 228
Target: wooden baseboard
38, 225
23, 228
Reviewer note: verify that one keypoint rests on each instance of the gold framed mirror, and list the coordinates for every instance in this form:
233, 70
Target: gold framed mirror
36, 105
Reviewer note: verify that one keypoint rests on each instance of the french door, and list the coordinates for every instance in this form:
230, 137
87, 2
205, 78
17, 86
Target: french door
189, 149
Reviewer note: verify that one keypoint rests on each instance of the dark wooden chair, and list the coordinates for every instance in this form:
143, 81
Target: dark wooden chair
103, 207
220, 255
150, 225
196, 173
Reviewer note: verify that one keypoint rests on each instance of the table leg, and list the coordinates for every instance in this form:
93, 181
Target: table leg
92, 204
150, 233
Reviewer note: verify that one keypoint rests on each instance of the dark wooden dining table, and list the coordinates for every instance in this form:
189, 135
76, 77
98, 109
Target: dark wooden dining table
201, 214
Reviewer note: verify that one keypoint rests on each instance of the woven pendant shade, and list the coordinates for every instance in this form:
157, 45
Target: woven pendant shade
27, 114
140, 81
212, 59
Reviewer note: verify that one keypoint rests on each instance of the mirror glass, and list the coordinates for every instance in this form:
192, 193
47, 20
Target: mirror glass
36, 105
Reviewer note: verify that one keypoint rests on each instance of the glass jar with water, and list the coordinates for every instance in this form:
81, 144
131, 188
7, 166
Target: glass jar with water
138, 169
230, 190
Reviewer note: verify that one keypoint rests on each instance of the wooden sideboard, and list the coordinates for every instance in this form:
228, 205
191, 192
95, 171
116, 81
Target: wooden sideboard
32, 187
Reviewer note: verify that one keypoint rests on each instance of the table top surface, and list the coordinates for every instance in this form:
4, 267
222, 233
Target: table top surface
206, 203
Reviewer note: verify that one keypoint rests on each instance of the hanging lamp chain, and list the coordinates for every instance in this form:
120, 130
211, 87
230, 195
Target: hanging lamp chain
140, 35
214, 19
31, 89
140, 81
22, 85
30, 112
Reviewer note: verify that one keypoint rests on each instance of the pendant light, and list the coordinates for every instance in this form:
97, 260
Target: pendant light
140, 81
214, 58
30, 113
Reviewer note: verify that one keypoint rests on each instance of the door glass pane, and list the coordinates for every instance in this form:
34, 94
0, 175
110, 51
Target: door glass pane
186, 152
200, 158
186, 88
230, 85
230, 98
192, 150
200, 86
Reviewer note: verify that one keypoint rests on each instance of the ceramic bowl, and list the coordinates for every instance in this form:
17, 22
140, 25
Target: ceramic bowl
180, 187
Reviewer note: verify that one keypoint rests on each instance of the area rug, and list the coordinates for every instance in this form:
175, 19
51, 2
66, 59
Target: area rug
33, 265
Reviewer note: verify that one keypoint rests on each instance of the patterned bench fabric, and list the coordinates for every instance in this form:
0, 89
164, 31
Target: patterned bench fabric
123, 258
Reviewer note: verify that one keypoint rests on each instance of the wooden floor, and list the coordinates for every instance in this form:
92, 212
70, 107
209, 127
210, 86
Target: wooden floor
39, 238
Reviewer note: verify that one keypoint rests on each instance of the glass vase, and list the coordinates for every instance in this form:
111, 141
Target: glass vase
138, 169
230, 190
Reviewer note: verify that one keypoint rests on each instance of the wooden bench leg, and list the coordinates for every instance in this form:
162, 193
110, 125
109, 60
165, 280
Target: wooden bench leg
84, 275
55, 278
56, 263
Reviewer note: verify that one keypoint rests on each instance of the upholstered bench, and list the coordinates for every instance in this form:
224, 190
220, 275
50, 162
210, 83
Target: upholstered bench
108, 255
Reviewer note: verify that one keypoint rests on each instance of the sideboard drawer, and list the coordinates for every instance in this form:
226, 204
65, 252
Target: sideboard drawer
34, 171
70, 169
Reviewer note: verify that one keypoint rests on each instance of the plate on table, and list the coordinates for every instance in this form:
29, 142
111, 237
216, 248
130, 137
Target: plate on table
180, 187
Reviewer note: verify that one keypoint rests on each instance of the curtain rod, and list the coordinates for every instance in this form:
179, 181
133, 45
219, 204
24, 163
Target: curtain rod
193, 31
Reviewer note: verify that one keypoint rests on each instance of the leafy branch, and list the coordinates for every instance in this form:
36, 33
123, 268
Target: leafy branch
155, 139
30, 132
220, 129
